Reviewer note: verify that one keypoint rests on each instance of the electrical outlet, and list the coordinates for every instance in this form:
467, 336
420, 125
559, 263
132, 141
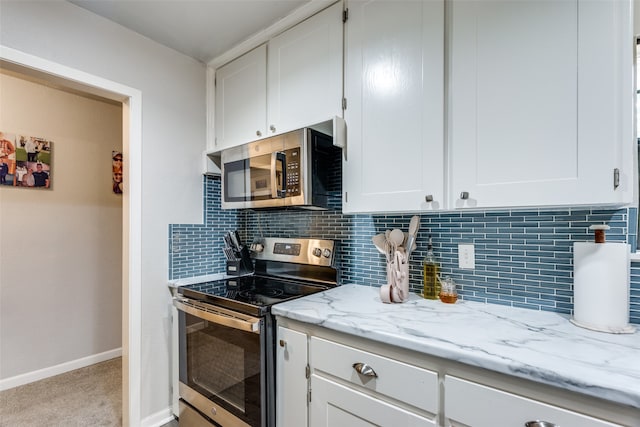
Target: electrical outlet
466, 256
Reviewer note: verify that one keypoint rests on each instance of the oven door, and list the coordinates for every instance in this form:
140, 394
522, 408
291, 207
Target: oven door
223, 361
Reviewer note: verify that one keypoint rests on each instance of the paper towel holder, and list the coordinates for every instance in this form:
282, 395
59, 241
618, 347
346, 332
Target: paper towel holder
601, 284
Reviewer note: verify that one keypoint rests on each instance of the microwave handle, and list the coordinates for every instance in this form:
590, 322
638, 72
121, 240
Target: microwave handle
278, 193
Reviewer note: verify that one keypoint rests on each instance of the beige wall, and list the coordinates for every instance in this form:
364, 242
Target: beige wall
173, 139
60, 249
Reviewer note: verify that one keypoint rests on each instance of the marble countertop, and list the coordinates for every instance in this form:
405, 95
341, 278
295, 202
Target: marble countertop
539, 346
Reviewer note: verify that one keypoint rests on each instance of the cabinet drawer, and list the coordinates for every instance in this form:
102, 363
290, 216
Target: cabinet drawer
335, 405
468, 403
406, 383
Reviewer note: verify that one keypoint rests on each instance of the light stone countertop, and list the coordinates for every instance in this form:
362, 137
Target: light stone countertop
536, 345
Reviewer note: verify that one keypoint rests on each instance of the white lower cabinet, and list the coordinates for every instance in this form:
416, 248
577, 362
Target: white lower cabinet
468, 403
349, 386
291, 384
375, 373
353, 387
334, 404
329, 379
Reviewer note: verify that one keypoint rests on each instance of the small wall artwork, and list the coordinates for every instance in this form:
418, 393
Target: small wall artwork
116, 162
25, 161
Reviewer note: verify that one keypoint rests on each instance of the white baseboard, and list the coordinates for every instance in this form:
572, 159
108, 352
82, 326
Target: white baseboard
40, 374
158, 419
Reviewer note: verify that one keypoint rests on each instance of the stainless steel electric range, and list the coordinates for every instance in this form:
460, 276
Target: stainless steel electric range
227, 333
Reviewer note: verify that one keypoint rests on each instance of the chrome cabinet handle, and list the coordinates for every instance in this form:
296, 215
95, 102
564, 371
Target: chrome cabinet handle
539, 423
464, 195
272, 128
258, 133
364, 369
428, 198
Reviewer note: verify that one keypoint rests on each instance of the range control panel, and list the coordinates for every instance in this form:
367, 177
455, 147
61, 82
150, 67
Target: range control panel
292, 249
298, 250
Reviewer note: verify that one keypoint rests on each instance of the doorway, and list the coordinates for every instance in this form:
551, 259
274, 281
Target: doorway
130, 98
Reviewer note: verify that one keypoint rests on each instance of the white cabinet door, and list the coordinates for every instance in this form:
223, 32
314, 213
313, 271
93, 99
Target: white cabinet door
540, 102
468, 403
305, 72
291, 380
333, 405
241, 99
394, 86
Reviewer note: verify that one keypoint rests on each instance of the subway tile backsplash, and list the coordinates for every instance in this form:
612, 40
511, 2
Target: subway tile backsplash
523, 257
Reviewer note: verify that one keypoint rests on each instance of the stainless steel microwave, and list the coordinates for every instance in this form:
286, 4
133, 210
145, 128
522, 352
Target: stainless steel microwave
301, 169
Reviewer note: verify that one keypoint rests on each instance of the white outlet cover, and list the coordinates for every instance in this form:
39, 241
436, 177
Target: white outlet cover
466, 256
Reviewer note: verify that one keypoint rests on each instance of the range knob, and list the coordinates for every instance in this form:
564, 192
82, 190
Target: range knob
317, 252
326, 253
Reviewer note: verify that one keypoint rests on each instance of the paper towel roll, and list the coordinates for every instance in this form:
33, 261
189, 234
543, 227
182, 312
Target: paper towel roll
601, 286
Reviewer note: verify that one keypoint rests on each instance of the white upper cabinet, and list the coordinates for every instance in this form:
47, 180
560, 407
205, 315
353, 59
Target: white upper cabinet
540, 103
304, 77
394, 87
241, 99
293, 81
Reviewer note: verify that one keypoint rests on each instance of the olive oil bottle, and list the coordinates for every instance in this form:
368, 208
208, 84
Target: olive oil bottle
431, 270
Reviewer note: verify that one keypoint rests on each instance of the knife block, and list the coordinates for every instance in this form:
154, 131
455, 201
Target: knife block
241, 265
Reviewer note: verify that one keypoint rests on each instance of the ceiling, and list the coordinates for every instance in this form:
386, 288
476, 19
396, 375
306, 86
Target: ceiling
201, 29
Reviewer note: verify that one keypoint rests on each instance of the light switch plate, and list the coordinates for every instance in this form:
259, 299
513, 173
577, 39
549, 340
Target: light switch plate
466, 256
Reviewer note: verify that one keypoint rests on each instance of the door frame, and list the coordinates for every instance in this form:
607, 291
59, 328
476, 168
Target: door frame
131, 100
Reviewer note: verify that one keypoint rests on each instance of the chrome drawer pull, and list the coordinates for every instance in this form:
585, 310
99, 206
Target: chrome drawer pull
539, 423
364, 369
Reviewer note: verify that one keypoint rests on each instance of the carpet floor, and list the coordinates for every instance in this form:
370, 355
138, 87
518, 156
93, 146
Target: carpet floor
90, 396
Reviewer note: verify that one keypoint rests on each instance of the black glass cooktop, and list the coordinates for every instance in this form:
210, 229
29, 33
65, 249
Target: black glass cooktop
249, 294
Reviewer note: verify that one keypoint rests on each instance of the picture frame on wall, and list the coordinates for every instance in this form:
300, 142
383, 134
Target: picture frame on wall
25, 161
116, 168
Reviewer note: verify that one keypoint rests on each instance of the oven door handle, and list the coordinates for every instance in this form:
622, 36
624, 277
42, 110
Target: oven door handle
218, 315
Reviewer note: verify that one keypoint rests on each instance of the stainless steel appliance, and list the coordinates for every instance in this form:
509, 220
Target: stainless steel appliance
227, 333
300, 168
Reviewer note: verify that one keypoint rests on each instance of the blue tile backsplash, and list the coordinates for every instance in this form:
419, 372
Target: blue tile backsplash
523, 257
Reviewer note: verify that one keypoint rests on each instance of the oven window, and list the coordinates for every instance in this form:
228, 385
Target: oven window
224, 365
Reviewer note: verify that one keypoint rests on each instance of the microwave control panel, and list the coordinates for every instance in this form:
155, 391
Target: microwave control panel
293, 171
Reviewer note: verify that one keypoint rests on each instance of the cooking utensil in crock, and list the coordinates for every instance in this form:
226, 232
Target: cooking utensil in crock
414, 225
405, 245
379, 241
396, 237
